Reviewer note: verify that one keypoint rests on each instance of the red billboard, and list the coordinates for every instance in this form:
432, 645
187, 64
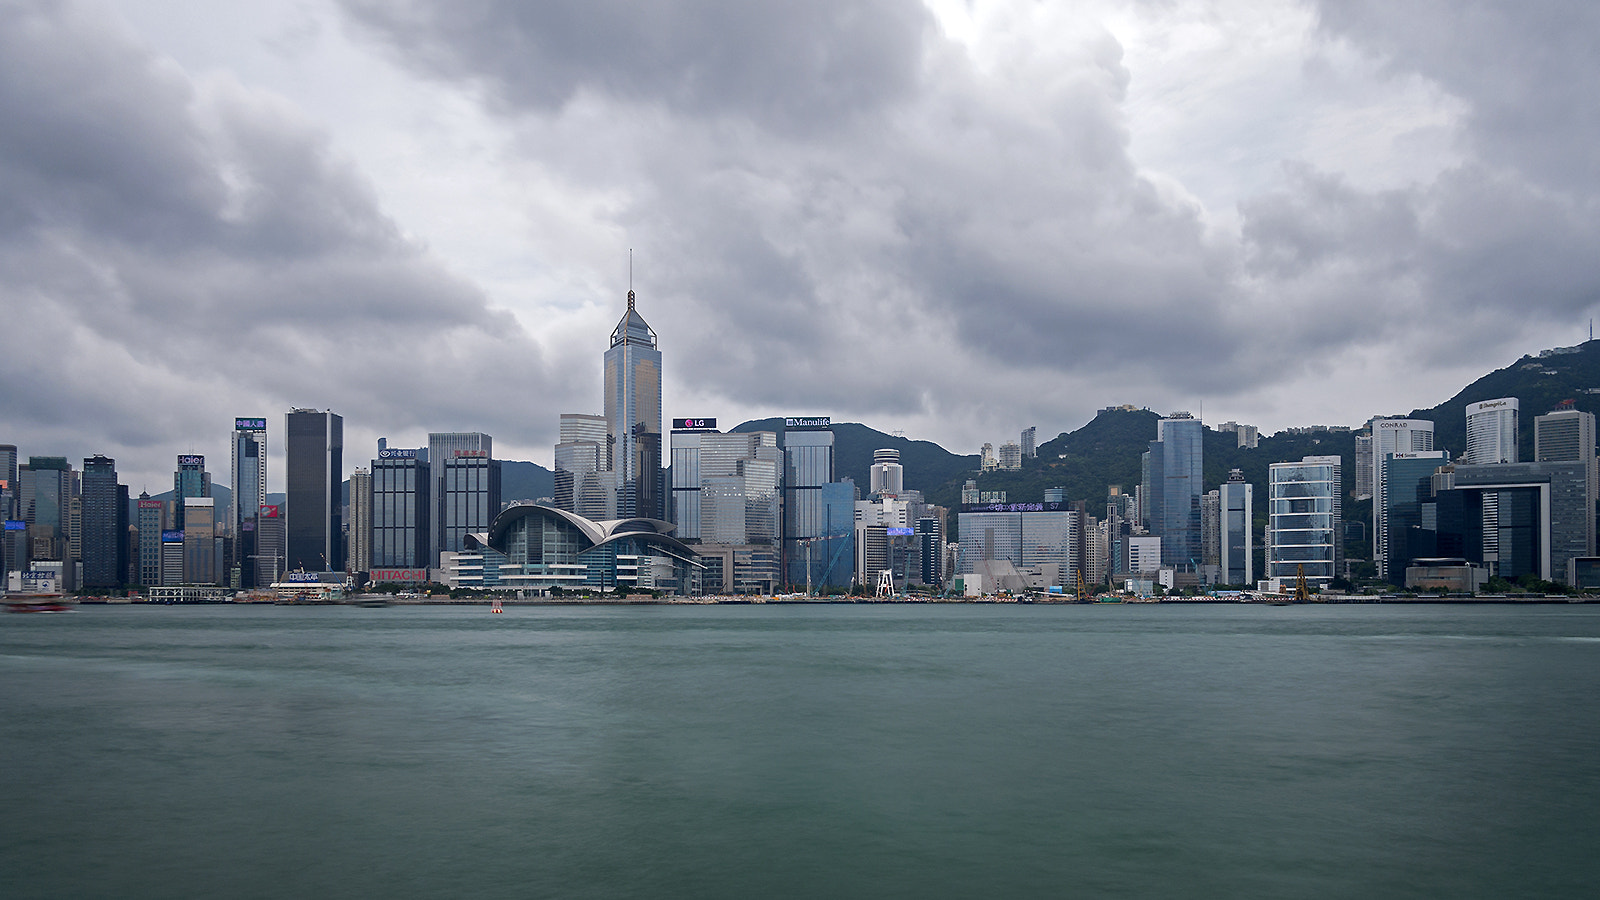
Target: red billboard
398, 576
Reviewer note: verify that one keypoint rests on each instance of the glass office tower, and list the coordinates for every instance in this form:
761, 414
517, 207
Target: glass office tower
1391, 436
633, 416
105, 524
442, 447
1304, 515
190, 480
1176, 458
249, 493
402, 497
471, 496
807, 470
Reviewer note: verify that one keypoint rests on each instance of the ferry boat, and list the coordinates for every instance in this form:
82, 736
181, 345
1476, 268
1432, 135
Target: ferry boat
33, 603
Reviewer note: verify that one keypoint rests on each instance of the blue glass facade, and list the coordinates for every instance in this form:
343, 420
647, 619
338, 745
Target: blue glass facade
1175, 482
807, 515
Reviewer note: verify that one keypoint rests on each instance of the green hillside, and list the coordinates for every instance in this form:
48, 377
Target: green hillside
1539, 383
927, 465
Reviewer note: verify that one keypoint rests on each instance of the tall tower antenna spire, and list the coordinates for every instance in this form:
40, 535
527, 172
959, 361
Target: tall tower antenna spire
630, 278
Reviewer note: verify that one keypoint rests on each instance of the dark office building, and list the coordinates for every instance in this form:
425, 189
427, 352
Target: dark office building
105, 524
152, 521
471, 496
1411, 509
930, 551
249, 493
1543, 516
314, 475
401, 503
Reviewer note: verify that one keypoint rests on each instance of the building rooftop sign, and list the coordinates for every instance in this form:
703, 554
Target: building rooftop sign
811, 422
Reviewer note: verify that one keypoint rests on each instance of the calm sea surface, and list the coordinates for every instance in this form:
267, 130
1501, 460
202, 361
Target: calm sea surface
803, 751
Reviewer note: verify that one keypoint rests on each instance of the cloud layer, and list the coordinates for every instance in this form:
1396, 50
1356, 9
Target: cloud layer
954, 219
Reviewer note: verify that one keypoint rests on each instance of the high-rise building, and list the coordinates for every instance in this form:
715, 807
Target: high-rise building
201, 557
1174, 480
314, 478
930, 545
1237, 561
249, 493
1492, 431
1491, 438
1391, 436
104, 538
14, 539
361, 520
888, 476
471, 496
8, 469
1408, 488
1543, 517
1030, 436
633, 416
726, 503
190, 480
173, 551
442, 447
271, 540
1304, 518
48, 487
402, 498
1365, 479
807, 469
584, 482
1211, 537
1009, 456
1027, 538
1567, 434
152, 521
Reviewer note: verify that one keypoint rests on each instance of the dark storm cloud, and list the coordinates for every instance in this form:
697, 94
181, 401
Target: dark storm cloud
790, 66
173, 254
982, 221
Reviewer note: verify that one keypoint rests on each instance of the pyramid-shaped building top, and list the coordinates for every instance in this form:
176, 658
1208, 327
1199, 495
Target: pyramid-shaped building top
632, 328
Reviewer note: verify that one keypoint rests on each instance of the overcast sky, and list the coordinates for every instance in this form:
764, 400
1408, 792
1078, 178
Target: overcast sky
955, 219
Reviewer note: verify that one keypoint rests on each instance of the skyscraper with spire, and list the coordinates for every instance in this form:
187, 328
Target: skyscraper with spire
633, 416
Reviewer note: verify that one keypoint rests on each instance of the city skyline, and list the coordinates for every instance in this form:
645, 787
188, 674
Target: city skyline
1213, 210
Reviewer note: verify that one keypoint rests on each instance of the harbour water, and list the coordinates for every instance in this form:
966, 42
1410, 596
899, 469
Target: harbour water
801, 751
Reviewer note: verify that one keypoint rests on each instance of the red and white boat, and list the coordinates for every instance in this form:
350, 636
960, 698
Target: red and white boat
33, 603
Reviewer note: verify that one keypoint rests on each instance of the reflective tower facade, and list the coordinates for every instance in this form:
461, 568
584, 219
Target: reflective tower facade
1176, 459
633, 416
442, 447
249, 493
